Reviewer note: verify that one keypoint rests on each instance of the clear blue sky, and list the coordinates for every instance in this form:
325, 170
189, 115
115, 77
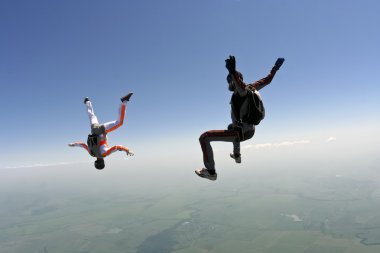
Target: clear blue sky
171, 54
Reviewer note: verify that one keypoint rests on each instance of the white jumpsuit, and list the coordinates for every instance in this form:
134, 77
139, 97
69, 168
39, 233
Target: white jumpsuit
105, 150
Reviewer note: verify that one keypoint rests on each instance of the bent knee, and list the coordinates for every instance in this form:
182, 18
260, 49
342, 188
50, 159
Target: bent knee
248, 135
203, 136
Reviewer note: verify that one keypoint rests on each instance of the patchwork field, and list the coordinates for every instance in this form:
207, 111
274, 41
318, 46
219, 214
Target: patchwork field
262, 213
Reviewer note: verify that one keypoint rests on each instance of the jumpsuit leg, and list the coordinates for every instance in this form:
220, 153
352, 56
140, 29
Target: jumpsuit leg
91, 114
215, 135
113, 125
246, 135
236, 142
236, 145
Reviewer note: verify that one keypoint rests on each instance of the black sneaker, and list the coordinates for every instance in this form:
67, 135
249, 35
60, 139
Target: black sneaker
126, 97
86, 99
236, 157
205, 174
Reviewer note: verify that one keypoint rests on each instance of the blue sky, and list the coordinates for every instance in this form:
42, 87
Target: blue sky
171, 54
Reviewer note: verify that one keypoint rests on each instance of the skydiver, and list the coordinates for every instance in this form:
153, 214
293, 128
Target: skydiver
97, 145
247, 110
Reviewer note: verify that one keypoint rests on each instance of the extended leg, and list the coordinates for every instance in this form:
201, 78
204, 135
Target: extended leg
113, 125
90, 112
215, 135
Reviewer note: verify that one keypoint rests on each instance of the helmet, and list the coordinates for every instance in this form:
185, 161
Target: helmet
99, 164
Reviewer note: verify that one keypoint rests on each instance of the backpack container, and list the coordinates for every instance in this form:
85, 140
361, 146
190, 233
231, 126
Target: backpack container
93, 145
256, 110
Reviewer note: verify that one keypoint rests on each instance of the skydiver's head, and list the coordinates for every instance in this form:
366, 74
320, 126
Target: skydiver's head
231, 82
99, 163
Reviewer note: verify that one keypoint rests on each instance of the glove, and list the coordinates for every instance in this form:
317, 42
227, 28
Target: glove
278, 63
231, 64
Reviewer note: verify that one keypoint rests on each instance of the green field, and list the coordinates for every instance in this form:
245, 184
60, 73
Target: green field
264, 212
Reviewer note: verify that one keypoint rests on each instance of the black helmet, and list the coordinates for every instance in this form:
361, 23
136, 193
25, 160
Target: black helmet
99, 164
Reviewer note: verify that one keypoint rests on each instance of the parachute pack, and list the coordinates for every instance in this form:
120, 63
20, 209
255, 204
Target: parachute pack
93, 142
256, 110
93, 139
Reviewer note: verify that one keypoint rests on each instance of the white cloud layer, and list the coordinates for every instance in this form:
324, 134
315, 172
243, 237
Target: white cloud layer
36, 165
277, 145
331, 139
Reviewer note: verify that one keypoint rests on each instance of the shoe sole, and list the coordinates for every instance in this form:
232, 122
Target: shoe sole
203, 176
127, 97
236, 161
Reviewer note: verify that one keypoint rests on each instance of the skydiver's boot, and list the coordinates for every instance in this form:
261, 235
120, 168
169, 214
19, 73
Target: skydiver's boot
206, 174
126, 97
236, 157
85, 100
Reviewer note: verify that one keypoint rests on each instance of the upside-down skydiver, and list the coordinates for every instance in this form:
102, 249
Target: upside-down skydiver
97, 145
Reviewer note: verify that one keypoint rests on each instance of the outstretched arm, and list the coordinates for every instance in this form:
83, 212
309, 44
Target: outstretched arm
258, 85
81, 145
117, 148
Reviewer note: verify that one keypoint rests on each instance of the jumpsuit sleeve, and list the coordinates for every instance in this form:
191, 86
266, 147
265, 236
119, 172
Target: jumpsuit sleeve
114, 149
258, 85
81, 145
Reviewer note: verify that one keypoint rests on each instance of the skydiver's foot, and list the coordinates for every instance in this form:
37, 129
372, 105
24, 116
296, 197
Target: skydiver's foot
126, 97
206, 174
86, 99
236, 157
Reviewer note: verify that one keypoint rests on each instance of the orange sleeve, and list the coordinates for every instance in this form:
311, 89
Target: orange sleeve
114, 149
81, 145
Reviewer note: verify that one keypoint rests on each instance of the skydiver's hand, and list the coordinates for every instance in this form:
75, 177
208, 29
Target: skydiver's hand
71, 144
278, 63
130, 153
231, 64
